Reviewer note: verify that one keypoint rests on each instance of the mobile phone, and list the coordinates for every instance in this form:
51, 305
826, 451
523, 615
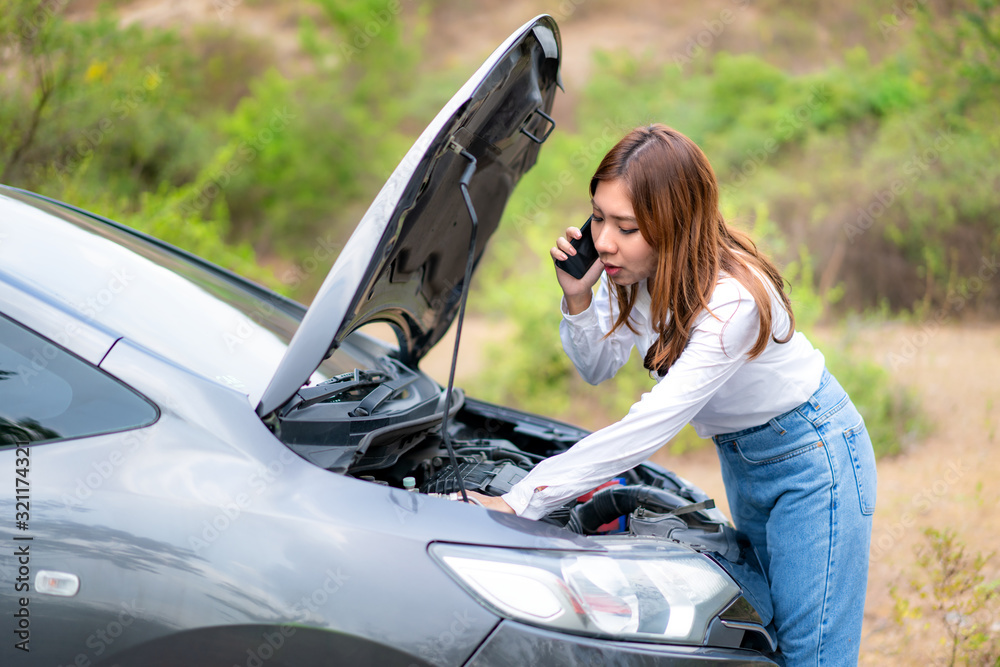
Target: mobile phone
586, 254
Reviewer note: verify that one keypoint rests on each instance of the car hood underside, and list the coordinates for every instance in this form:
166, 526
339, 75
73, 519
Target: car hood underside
405, 263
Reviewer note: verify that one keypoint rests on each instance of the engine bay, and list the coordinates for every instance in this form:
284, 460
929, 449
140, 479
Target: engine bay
386, 426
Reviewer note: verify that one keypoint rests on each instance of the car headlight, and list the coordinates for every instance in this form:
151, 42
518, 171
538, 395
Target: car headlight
636, 590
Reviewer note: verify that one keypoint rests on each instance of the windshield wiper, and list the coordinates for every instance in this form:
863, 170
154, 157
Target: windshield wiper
381, 385
380, 395
335, 386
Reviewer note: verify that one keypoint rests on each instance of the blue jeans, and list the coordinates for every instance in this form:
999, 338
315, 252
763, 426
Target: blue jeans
802, 487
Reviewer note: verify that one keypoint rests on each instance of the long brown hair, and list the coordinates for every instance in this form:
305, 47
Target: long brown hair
675, 198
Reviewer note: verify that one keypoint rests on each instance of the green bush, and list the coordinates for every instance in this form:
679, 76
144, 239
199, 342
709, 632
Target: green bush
951, 592
196, 134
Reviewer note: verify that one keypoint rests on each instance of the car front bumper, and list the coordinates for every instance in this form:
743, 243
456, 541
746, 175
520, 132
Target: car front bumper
513, 643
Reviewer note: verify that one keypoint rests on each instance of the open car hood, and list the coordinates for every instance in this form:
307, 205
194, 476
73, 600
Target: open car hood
405, 262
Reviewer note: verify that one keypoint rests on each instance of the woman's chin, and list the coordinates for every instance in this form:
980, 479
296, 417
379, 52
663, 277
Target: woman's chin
621, 278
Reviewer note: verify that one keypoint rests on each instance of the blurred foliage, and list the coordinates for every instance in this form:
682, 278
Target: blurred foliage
336, 127
129, 119
871, 178
954, 590
882, 169
891, 411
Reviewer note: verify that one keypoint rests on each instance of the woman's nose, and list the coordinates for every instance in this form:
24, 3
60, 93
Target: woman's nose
603, 241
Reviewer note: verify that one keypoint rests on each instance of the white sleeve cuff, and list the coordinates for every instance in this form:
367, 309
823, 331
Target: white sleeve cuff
586, 318
518, 498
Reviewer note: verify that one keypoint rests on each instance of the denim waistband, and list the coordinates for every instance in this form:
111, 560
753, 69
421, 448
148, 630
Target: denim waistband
814, 401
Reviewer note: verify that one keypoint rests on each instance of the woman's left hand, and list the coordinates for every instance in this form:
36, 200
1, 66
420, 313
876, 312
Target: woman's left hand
491, 502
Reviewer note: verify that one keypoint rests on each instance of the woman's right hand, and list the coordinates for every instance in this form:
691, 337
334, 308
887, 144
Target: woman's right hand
578, 293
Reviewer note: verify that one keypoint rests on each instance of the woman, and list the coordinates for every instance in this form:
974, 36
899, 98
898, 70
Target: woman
710, 316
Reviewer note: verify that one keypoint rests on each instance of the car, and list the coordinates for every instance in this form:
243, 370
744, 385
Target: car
203, 472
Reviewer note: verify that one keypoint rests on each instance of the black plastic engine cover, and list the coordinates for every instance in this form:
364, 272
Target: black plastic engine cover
487, 477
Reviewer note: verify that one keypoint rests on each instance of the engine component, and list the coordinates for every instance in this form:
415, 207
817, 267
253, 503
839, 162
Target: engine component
613, 502
362, 420
487, 477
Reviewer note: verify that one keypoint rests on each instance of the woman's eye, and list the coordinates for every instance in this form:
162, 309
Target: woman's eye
628, 231
594, 218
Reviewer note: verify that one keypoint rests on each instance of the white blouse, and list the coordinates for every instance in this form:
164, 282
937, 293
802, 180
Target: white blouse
712, 385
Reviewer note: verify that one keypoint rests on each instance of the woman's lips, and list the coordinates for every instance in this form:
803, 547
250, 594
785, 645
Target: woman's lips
612, 270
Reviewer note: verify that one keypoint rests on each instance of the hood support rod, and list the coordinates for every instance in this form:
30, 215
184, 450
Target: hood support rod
463, 184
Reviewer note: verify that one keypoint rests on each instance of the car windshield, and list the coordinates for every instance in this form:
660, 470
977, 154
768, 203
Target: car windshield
171, 303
